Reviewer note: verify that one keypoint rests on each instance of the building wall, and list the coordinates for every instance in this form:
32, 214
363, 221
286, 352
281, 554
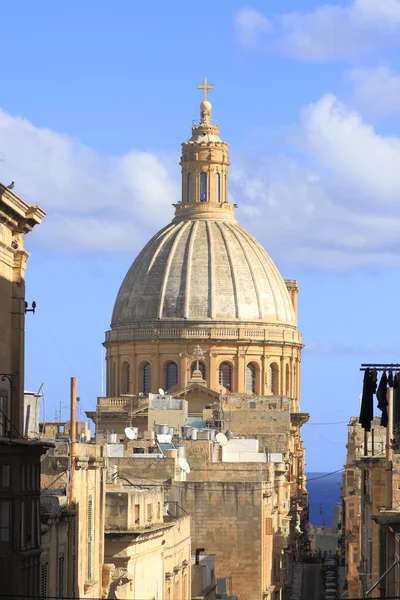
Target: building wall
227, 520
89, 503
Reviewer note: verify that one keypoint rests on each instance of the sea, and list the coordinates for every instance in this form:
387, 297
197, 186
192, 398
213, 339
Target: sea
324, 491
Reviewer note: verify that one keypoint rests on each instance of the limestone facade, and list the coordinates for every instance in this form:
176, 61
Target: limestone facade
150, 551
19, 456
72, 559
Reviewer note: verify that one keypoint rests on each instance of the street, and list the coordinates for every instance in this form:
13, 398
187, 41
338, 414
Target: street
312, 584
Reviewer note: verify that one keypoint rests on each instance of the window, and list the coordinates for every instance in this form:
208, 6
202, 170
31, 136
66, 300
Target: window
189, 187
217, 187
268, 526
273, 379
251, 379
4, 476
203, 187
114, 380
60, 582
126, 378
202, 369
89, 540
287, 381
171, 375
159, 511
146, 378
43, 579
4, 413
149, 512
137, 514
5, 523
225, 375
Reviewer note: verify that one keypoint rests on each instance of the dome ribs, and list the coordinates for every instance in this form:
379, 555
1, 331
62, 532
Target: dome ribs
178, 234
192, 238
164, 239
211, 271
234, 230
232, 269
283, 308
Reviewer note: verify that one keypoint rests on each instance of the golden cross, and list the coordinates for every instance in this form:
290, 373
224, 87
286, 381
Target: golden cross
205, 87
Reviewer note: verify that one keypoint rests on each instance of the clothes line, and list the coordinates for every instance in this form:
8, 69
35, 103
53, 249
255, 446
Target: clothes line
380, 366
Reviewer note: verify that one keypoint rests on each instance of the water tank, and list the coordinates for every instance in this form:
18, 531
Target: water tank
112, 438
186, 432
181, 451
171, 430
194, 433
172, 453
161, 429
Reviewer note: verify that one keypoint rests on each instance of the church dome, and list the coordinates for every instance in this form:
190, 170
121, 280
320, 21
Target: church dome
203, 268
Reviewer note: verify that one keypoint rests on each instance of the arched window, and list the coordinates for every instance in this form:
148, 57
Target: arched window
287, 381
251, 378
203, 187
189, 187
126, 378
225, 375
217, 187
274, 379
146, 378
202, 369
171, 375
114, 380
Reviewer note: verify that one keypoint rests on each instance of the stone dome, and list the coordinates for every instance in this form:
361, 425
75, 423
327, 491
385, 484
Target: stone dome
202, 270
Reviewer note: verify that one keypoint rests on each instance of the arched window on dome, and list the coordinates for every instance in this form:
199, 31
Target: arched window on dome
125, 378
287, 379
225, 376
113, 386
171, 375
251, 374
274, 379
217, 187
189, 187
203, 187
202, 369
145, 378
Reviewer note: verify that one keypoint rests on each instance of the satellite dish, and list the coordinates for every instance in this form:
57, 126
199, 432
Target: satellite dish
161, 392
130, 433
221, 439
183, 464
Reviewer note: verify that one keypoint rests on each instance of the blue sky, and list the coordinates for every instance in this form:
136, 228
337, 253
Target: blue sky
96, 100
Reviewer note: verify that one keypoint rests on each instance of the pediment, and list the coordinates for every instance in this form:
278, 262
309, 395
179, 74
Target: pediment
196, 390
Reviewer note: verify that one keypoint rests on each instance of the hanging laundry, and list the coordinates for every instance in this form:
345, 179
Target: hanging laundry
396, 381
396, 406
381, 394
367, 406
390, 379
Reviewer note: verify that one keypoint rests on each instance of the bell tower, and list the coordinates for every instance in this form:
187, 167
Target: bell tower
204, 163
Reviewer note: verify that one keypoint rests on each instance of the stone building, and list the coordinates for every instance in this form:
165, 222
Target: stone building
19, 455
72, 558
364, 495
204, 315
149, 550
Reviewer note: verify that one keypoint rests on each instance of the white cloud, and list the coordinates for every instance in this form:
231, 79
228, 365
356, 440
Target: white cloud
342, 212
376, 90
334, 32
251, 26
93, 203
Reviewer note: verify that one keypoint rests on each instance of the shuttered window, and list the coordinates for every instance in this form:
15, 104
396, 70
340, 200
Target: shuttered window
44, 565
90, 529
60, 581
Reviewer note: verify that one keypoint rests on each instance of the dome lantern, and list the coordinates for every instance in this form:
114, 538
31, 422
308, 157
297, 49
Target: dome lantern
204, 163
